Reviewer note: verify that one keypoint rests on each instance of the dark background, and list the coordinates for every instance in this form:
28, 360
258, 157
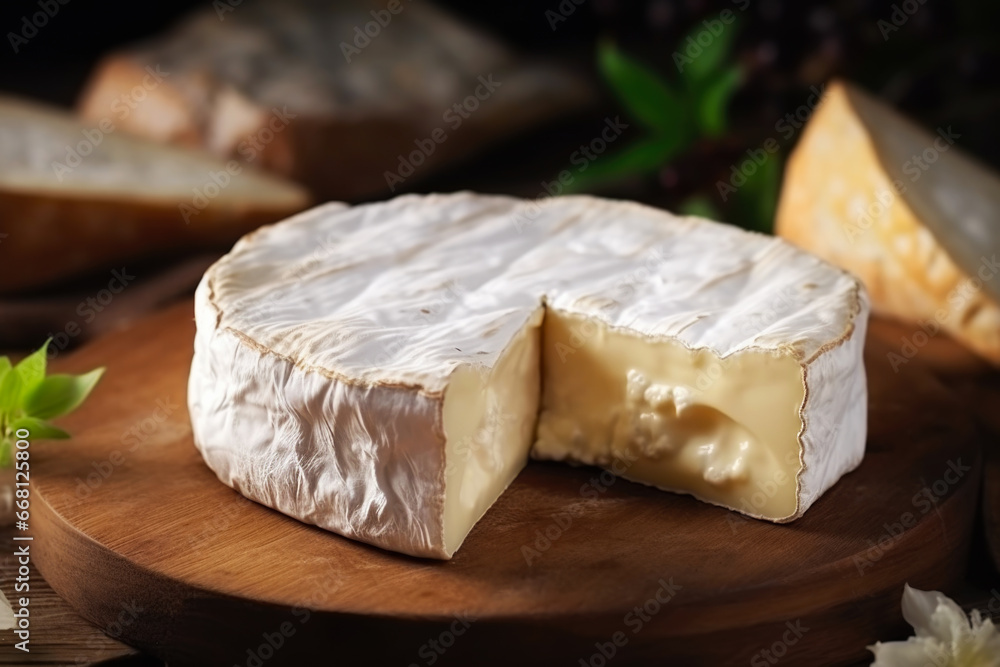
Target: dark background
935, 60
940, 66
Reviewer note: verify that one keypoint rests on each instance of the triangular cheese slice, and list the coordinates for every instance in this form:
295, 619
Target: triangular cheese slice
903, 209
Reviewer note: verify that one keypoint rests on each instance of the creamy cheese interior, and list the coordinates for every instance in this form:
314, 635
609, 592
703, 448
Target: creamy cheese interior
656, 412
489, 424
397, 363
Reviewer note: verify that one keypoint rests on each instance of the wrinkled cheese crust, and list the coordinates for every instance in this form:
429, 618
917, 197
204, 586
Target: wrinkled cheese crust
375, 370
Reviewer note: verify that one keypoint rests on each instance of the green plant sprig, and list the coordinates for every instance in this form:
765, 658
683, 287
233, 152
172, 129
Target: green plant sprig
29, 399
674, 114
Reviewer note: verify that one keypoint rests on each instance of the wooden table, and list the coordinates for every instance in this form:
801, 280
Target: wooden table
59, 636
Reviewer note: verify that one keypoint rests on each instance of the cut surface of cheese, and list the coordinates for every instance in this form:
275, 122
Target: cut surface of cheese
93, 196
489, 425
384, 371
663, 414
902, 208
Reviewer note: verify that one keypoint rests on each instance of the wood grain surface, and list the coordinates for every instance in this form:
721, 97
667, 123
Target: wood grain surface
977, 384
59, 636
126, 513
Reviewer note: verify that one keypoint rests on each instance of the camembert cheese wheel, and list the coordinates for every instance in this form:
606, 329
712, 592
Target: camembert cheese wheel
385, 371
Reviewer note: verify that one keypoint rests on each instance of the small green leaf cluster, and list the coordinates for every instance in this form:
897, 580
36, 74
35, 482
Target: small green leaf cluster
674, 115
29, 399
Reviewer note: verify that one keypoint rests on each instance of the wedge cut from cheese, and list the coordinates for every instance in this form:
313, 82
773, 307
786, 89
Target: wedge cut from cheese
902, 208
385, 371
489, 419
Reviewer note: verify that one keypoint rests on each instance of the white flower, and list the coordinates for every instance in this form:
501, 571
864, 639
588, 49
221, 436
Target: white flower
945, 636
7, 620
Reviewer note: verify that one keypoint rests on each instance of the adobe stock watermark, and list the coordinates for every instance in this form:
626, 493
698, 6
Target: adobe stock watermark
249, 149
771, 655
224, 516
900, 14
272, 641
223, 7
88, 310
122, 107
453, 292
581, 158
562, 12
454, 116
363, 35
635, 620
435, 647
993, 606
31, 24
923, 501
780, 304
763, 491
584, 329
262, 309
129, 614
914, 169
959, 300
126, 617
322, 586
786, 127
562, 521
783, 480
136, 435
482, 442
711, 29
584, 156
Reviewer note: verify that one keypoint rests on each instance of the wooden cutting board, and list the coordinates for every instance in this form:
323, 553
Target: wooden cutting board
139, 536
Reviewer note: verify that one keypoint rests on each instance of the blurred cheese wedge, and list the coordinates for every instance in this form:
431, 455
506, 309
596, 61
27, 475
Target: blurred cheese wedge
352, 98
77, 197
903, 209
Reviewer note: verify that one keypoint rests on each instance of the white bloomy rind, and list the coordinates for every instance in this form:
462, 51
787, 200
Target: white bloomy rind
326, 346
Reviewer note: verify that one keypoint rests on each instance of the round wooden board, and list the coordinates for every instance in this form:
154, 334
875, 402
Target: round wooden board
140, 537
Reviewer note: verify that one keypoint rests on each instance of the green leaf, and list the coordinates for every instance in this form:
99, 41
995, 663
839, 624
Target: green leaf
4, 367
642, 158
10, 393
757, 201
649, 99
713, 101
39, 429
701, 206
699, 59
32, 368
58, 395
